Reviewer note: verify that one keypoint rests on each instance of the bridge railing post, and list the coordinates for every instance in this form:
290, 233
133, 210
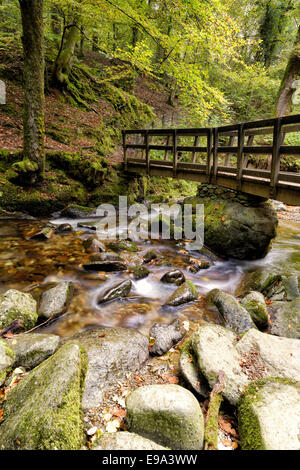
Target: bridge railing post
124, 149
175, 160
147, 152
215, 155
209, 153
240, 155
275, 165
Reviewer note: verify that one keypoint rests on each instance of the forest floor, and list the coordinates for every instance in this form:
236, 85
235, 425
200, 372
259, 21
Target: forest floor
67, 130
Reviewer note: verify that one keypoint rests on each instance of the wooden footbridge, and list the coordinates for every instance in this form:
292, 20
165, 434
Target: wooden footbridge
221, 156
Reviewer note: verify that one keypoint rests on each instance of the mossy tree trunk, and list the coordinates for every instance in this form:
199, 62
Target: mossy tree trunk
64, 61
292, 72
34, 121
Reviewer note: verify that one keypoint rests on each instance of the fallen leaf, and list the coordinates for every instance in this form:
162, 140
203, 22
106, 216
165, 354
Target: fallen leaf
1, 414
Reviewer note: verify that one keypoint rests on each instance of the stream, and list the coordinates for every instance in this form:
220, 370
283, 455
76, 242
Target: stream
34, 266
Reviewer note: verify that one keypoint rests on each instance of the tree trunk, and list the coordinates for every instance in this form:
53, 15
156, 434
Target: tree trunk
292, 72
34, 121
64, 61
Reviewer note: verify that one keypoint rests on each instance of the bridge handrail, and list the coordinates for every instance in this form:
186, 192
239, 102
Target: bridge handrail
278, 127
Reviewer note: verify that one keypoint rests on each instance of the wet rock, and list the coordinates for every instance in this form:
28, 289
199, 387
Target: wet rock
185, 293
7, 357
235, 316
63, 228
107, 256
118, 291
77, 212
255, 304
94, 245
167, 414
46, 402
42, 235
285, 318
197, 265
165, 337
278, 205
112, 353
237, 229
15, 305
173, 277
106, 266
33, 348
149, 256
291, 286
256, 355
139, 272
56, 301
123, 245
125, 441
191, 372
89, 225
260, 280
269, 415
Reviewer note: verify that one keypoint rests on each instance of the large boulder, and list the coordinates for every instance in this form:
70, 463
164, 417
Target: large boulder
236, 225
55, 301
269, 415
255, 356
285, 318
43, 411
236, 317
15, 305
168, 414
112, 353
120, 290
7, 357
125, 441
33, 348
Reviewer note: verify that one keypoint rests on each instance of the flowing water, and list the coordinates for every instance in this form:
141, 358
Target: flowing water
33, 266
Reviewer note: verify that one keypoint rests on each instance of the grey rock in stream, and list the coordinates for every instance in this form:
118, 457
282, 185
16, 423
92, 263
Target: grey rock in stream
7, 358
167, 414
123, 245
55, 301
235, 316
255, 304
256, 355
94, 245
285, 318
125, 441
165, 337
112, 353
269, 415
42, 235
33, 348
15, 305
139, 272
120, 290
173, 277
185, 293
106, 266
43, 411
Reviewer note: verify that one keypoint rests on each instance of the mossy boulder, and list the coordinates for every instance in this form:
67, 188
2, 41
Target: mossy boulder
255, 355
255, 304
167, 414
236, 317
125, 441
187, 292
139, 272
123, 245
43, 412
191, 372
15, 305
112, 353
7, 358
235, 229
269, 415
75, 211
33, 348
285, 318
55, 301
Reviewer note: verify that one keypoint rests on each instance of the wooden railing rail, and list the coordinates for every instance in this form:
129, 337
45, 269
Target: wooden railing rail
269, 183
